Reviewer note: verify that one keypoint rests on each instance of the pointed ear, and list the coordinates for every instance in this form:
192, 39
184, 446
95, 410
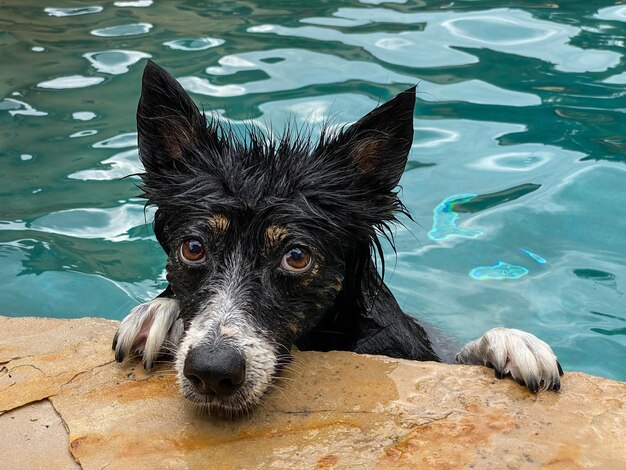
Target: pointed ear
168, 122
378, 144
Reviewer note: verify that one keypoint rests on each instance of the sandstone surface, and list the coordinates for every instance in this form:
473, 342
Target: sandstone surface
64, 403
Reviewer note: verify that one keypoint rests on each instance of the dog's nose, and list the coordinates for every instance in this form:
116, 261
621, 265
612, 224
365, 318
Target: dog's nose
219, 370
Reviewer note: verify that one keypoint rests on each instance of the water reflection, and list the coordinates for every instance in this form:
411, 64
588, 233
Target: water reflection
114, 62
286, 69
17, 107
198, 44
505, 30
72, 11
71, 81
123, 30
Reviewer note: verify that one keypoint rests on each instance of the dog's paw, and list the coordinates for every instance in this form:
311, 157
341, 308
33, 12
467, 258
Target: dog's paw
523, 356
150, 329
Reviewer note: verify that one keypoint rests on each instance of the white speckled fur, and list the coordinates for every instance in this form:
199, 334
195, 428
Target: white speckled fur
509, 351
226, 320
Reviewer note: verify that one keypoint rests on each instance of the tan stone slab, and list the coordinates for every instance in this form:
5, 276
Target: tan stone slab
38, 356
34, 437
338, 410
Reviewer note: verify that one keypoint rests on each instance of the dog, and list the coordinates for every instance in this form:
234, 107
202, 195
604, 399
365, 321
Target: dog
272, 242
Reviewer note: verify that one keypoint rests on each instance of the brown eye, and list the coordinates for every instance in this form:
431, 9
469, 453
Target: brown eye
296, 260
192, 251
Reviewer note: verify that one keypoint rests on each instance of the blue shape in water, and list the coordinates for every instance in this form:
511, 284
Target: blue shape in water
500, 270
535, 256
445, 220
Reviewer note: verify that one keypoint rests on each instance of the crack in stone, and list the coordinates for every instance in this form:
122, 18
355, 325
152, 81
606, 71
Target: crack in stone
30, 365
17, 358
61, 386
70, 380
75, 376
67, 429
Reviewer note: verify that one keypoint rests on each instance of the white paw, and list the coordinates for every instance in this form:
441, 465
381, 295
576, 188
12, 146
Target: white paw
523, 356
150, 329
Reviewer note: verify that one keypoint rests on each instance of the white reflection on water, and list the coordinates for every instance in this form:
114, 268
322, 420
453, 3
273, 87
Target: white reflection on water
340, 109
123, 30
112, 224
616, 13
115, 61
121, 164
17, 107
119, 141
83, 115
504, 30
70, 82
72, 11
379, 2
619, 79
500, 270
197, 44
515, 161
84, 133
137, 3
289, 69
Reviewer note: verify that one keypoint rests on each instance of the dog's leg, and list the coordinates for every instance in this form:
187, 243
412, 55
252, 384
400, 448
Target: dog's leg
523, 356
150, 329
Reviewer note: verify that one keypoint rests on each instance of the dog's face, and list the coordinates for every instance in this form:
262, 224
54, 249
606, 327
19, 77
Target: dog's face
261, 235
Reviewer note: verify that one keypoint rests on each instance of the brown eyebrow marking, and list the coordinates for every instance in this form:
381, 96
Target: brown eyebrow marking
219, 223
274, 234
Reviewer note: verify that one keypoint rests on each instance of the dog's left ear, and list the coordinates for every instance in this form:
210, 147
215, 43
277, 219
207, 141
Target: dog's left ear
378, 144
168, 121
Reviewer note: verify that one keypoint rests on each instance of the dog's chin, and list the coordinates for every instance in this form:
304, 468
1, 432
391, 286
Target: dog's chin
237, 405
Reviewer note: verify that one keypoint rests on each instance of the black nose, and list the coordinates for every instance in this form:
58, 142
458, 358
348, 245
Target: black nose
219, 371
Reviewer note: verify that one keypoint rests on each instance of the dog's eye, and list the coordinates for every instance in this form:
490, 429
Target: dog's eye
192, 251
297, 260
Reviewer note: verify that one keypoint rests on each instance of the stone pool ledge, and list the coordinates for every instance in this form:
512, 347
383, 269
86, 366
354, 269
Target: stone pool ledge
64, 403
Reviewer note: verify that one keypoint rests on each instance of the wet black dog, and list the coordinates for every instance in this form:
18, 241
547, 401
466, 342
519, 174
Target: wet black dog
270, 243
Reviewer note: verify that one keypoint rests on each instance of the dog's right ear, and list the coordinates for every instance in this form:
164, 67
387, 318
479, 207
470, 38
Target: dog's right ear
168, 122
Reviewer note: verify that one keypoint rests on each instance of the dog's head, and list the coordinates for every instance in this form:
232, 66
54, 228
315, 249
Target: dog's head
262, 234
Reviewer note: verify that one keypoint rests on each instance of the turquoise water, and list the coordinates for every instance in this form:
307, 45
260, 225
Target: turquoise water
517, 177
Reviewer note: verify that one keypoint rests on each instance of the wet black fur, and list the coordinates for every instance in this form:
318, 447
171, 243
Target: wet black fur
333, 196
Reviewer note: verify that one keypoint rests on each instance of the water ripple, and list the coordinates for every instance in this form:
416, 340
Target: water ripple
120, 165
288, 69
616, 13
83, 115
115, 61
198, 44
119, 141
71, 81
136, 3
123, 30
112, 224
435, 46
500, 270
72, 11
85, 133
17, 107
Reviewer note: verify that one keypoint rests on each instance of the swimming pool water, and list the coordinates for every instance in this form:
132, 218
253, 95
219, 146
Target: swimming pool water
516, 180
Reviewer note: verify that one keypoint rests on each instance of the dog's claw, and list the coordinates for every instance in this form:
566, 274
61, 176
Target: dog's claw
114, 345
147, 329
523, 356
119, 355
